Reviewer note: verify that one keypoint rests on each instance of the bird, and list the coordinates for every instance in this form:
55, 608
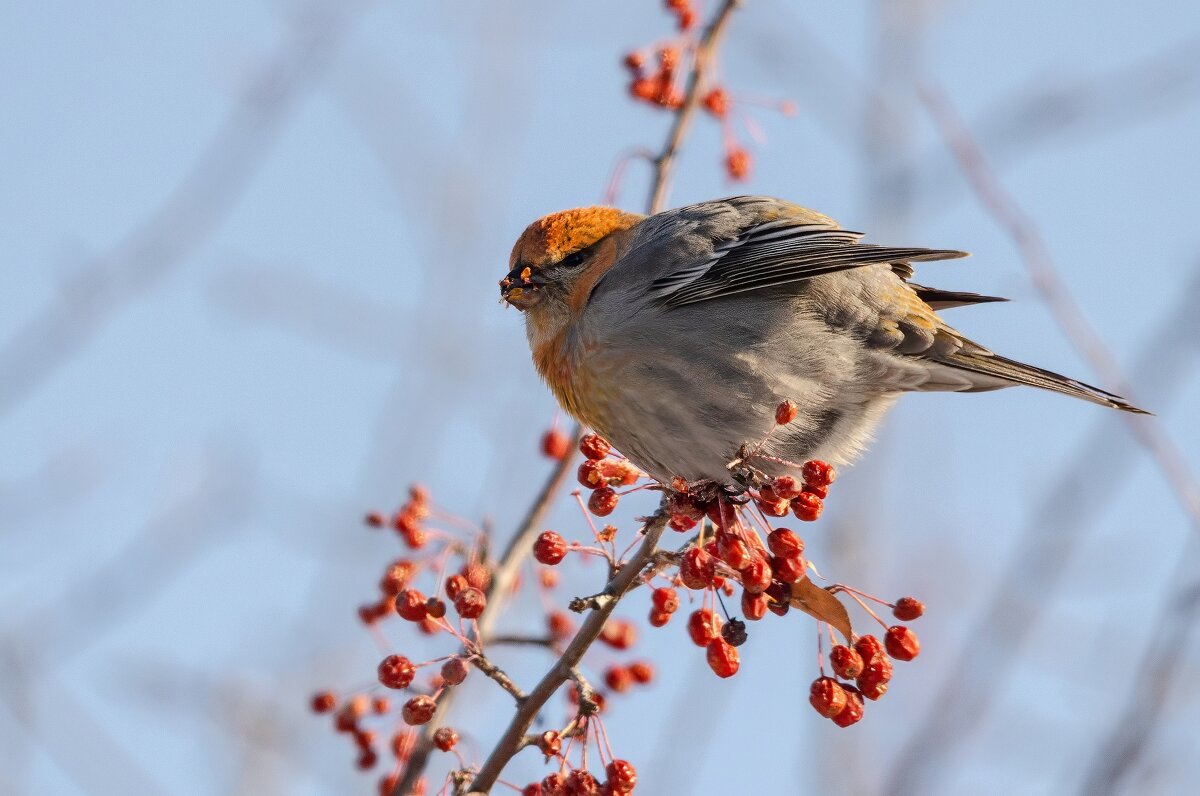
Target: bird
677, 335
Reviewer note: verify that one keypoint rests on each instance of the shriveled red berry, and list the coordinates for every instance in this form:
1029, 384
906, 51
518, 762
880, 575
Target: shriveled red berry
641, 672
470, 603
659, 618
697, 568
722, 658
789, 570
786, 486
603, 501
550, 743
418, 710
435, 608
818, 473
786, 412
847, 663
594, 447
756, 576
665, 599
820, 491
454, 585
555, 444
454, 671
324, 702
410, 604
907, 609
478, 576
901, 643
619, 472
549, 548
754, 606
785, 543
396, 671
827, 697
445, 738
773, 508
703, 626
622, 776
732, 550
619, 634
807, 506
581, 782
876, 674
554, 784
618, 678
589, 474
852, 713
681, 523
868, 647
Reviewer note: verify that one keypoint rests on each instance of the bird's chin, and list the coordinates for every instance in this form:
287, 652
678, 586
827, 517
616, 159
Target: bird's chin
522, 297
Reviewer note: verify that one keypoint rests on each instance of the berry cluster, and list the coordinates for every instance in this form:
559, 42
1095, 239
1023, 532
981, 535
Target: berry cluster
655, 78
601, 471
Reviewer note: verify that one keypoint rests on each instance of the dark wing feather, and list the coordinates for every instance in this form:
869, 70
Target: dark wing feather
779, 253
946, 299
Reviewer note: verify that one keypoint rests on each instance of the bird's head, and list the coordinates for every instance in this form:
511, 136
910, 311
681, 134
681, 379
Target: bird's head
559, 258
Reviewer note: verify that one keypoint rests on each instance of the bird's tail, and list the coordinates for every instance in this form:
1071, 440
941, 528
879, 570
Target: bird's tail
1008, 371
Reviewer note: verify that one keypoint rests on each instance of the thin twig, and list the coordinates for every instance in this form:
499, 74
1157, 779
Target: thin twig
563, 669
485, 665
705, 51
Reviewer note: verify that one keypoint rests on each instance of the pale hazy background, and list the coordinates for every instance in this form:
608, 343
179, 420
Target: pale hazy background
249, 255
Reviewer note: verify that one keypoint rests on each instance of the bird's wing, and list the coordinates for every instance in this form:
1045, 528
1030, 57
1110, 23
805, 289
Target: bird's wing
774, 253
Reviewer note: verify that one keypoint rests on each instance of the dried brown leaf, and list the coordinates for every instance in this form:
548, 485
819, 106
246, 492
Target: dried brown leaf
820, 604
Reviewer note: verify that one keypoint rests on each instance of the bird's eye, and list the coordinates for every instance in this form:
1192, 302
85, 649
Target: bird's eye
574, 259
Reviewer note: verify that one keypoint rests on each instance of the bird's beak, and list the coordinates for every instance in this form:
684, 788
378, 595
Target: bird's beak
521, 288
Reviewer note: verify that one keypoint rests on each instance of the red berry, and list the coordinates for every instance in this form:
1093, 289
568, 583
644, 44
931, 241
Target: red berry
396, 576
445, 738
618, 678
907, 609
367, 759
323, 702
703, 626
550, 548
773, 508
785, 543
589, 475
807, 506
375, 520
734, 632
681, 523
722, 658
554, 784
852, 713
756, 576
454, 671
847, 663
789, 570
635, 61
641, 671
722, 514
754, 606
380, 705
716, 102
785, 413
603, 501
477, 575
555, 444
549, 743
396, 671
659, 618
785, 486
818, 473
470, 603
901, 643
581, 783
559, 625
620, 472
732, 550
697, 569
665, 600
619, 634
668, 58
435, 608
876, 674
827, 697
454, 585
737, 163
418, 710
594, 447
622, 776
868, 647
820, 491
410, 604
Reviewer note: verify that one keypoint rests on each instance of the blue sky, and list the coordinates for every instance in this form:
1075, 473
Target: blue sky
182, 470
